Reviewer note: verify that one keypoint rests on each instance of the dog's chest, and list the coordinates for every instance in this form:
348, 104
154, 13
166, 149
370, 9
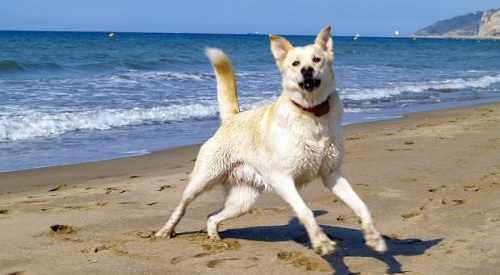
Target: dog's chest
307, 159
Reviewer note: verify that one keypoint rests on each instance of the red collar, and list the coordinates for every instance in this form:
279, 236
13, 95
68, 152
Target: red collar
318, 110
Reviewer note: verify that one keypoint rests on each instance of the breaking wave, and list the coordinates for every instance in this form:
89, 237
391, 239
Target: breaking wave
442, 86
22, 127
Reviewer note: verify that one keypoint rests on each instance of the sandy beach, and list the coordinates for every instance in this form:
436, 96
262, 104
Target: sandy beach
431, 181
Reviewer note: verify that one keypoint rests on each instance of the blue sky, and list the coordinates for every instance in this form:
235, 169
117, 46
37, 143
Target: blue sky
347, 17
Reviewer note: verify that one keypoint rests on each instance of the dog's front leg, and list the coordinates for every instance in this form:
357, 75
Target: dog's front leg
285, 188
341, 187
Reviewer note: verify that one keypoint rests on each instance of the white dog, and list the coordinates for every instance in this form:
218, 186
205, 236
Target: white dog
280, 147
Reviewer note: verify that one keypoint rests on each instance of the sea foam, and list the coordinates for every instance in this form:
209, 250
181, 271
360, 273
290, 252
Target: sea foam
444, 86
22, 127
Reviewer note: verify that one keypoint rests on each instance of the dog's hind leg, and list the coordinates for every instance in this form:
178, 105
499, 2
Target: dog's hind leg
341, 187
195, 188
206, 173
239, 200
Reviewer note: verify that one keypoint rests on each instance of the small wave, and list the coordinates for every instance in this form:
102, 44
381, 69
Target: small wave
443, 86
10, 66
359, 110
138, 66
139, 152
141, 76
16, 66
42, 66
185, 75
44, 125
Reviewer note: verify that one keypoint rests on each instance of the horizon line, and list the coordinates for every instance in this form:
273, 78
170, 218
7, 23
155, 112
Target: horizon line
205, 33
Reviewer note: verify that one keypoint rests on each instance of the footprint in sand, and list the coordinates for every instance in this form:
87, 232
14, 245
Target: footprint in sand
115, 190
234, 262
115, 248
356, 137
66, 208
298, 260
435, 204
143, 234
102, 203
58, 229
349, 218
442, 188
5, 211
432, 204
454, 202
409, 142
493, 179
59, 187
471, 188
414, 217
105, 247
179, 259
211, 246
164, 187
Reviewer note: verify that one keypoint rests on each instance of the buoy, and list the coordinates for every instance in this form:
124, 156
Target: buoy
355, 38
111, 34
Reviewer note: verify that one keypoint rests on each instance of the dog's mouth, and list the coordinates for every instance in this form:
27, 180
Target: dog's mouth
310, 84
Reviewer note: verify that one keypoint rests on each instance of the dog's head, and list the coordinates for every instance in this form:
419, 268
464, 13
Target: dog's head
307, 71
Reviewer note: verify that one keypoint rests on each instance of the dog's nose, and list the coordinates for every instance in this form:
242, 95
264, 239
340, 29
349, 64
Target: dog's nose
307, 72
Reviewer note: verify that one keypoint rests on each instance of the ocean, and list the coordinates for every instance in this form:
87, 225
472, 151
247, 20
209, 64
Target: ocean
73, 97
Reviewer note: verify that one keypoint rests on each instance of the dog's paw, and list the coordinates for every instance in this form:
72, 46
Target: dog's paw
324, 246
379, 246
374, 240
214, 237
169, 234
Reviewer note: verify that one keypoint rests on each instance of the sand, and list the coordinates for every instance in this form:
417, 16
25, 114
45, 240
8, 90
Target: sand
430, 179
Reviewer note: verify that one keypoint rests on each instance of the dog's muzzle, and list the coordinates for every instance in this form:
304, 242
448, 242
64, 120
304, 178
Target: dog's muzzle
309, 83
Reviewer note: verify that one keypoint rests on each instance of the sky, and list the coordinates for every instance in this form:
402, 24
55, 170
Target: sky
300, 17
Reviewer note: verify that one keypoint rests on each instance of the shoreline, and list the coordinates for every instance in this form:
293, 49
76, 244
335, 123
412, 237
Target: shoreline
43, 176
431, 181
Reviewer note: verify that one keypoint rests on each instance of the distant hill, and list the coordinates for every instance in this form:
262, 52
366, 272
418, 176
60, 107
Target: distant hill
490, 24
476, 24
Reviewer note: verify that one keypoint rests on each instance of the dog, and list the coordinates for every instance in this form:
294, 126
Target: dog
281, 146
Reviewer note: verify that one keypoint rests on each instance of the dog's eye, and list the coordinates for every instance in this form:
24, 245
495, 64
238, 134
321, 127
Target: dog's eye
316, 59
296, 63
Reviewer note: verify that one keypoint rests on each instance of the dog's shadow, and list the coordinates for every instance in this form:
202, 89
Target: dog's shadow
349, 243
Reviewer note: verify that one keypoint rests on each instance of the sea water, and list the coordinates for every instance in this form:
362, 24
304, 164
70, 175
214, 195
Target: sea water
72, 97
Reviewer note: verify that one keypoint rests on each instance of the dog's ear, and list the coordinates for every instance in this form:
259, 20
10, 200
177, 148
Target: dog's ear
280, 47
325, 41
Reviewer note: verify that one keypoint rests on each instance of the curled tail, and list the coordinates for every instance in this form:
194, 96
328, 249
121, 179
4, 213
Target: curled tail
226, 83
